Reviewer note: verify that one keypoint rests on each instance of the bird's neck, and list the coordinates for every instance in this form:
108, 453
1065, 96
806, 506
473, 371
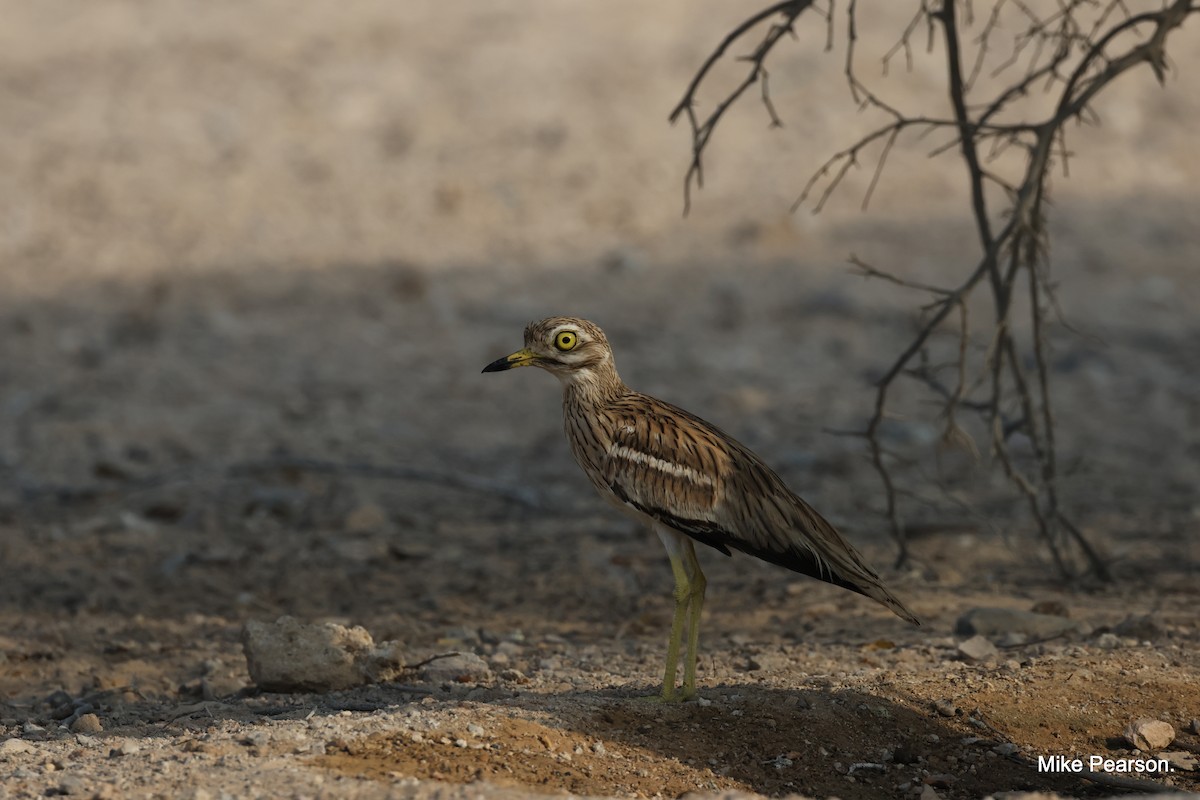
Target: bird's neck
594, 385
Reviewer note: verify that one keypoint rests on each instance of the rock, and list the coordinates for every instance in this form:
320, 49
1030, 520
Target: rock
291, 656
72, 785
511, 649
259, 739
1054, 608
126, 747
929, 793
86, 723
978, 648
367, 518
1108, 641
940, 780
1180, 759
12, 747
945, 708
1195, 726
1148, 734
1143, 628
985, 621
1011, 639
513, 676
457, 668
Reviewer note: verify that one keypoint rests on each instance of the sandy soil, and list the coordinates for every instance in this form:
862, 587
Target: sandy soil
251, 250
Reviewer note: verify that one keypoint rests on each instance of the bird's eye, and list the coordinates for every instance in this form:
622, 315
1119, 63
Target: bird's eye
566, 340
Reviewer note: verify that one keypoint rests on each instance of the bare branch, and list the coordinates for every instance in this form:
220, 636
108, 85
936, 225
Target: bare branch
702, 131
1075, 50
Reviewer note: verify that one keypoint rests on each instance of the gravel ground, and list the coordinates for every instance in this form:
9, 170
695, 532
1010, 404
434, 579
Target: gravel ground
255, 257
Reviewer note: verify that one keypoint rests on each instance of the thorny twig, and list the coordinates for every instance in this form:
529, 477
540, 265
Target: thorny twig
1072, 49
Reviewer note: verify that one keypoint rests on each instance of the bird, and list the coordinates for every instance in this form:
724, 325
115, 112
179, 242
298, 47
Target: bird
687, 480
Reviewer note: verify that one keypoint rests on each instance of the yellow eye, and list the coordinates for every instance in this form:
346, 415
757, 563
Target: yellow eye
566, 340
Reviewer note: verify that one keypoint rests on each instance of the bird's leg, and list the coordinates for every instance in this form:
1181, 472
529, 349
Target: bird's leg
683, 595
696, 585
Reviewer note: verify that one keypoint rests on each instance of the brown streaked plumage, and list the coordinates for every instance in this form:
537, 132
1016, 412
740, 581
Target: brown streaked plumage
687, 479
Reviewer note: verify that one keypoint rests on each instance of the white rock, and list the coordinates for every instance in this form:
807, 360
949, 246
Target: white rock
1149, 734
458, 668
1181, 759
999, 621
978, 648
290, 656
11, 747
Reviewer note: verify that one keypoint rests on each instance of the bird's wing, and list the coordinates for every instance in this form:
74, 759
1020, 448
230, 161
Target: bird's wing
670, 466
689, 475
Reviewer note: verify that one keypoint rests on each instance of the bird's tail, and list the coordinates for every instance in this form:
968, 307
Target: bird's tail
880, 593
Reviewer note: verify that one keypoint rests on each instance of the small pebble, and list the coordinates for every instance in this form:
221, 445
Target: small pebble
1005, 749
127, 747
256, 739
599, 749
458, 668
87, 723
945, 708
1012, 639
509, 649
1108, 641
1055, 608
474, 730
367, 518
978, 648
1143, 628
71, 785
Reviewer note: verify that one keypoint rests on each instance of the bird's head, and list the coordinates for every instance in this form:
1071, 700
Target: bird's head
574, 350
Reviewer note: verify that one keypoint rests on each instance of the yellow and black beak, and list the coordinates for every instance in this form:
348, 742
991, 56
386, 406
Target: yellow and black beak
521, 358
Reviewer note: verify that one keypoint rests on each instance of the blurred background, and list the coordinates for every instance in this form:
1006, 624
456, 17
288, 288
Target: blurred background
234, 232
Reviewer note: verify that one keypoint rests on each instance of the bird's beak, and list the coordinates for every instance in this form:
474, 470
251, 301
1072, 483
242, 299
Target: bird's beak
521, 358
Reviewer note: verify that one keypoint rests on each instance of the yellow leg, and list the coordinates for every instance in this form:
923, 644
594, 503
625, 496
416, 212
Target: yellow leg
696, 585
683, 595
689, 601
